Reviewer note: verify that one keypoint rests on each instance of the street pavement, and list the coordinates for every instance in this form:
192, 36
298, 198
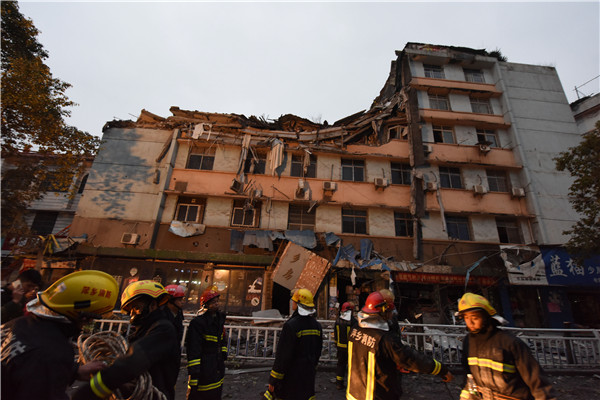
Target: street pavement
250, 382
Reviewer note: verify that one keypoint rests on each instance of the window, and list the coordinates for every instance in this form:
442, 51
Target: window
474, 75
245, 214
255, 165
403, 223
43, 222
497, 181
190, 209
354, 221
443, 134
508, 230
298, 166
439, 102
201, 159
487, 136
433, 71
450, 178
300, 219
240, 290
401, 174
481, 106
458, 227
397, 132
353, 170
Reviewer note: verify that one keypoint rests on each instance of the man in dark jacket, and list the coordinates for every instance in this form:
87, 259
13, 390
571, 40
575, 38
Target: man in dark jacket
174, 308
17, 294
298, 352
206, 345
501, 364
375, 355
341, 331
153, 346
37, 350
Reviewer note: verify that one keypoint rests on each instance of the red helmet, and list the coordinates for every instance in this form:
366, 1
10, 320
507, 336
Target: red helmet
176, 291
208, 295
375, 304
347, 306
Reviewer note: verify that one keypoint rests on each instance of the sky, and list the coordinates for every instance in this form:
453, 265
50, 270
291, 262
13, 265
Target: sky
318, 60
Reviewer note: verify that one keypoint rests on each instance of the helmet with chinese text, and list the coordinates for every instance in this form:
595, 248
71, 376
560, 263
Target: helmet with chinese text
147, 288
304, 297
472, 301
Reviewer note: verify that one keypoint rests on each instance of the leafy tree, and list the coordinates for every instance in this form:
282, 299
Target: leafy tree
34, 106
583, 163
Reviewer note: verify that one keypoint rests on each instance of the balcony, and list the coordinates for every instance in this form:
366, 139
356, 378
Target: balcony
471, 155
463, 201
445, 86
444, 117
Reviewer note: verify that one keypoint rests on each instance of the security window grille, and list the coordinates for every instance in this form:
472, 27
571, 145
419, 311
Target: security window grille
43, 222
497, 180
434, 71
474, 75
443, 134
201, 159
190, 210
458, 227
353, 170
487, 136
403, 224
354, 221
255, 166
439, 102
243, 215
450, 178
481, 106
300, 219
400, 174
508, 230
298, 167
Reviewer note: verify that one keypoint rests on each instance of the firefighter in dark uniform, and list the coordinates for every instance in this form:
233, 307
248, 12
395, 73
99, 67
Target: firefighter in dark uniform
298, 352
153, 346
174, 308
341, 331
206, 345
374, 355
501, 364
38, 358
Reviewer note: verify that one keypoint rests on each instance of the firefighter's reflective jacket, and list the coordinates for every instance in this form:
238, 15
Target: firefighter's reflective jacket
503, 367
373, 357
37, 359
298, 353
206, 344
342, 331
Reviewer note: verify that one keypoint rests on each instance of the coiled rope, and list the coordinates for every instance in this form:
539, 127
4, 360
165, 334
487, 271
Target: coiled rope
107, 346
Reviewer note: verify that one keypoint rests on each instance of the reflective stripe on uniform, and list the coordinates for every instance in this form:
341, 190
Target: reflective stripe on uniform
370, 377
339, 378
193, 382
209, 338
437, 368
495, 365
196, 361
309, 332
277, 375
348, 395
464, 395
98, 387
204, 388
268, 395
224, 349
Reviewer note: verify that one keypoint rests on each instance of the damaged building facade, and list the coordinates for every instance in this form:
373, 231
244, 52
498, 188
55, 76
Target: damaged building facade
446, 182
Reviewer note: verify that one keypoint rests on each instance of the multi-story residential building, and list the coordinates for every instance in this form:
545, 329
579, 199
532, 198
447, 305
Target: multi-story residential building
447, 182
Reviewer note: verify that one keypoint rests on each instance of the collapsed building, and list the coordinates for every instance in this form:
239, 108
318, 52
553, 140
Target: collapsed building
446, 183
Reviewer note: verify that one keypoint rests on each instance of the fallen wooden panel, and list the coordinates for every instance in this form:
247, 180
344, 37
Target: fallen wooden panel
300, 268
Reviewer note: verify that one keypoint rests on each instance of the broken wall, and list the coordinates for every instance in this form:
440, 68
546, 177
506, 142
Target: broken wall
381, 222
218, 211
328, 219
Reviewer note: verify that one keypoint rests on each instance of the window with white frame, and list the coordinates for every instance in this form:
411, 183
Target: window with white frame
403, 224
400, 174
190, 209
450, 178
439, 102
434, 71
458, 227
201, 158
299, 218
245, 214
354, 221
474, 75
497, 180
508, 230
487, 136
353, 170
443, 134
480, 106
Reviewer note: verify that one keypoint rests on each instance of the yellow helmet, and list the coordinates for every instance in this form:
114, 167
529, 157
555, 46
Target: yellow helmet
304, 297
472, 301
143, 288
88, 291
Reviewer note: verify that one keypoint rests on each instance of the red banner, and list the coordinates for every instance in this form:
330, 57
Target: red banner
447, 279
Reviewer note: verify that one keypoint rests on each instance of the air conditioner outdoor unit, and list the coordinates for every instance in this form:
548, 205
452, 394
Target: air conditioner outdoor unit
329, 186
381, 182
427, 148
180, 186
518, 192
130, 238
479, 189
236, 186
484, 148
430, 186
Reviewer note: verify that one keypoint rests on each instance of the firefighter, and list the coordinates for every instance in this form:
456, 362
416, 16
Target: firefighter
174, 308
298, 352
37, 351
374, 355
341, 331
206, 344
501, 364
153, 346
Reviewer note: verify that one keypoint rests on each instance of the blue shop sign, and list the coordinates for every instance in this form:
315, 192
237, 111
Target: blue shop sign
561, 269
